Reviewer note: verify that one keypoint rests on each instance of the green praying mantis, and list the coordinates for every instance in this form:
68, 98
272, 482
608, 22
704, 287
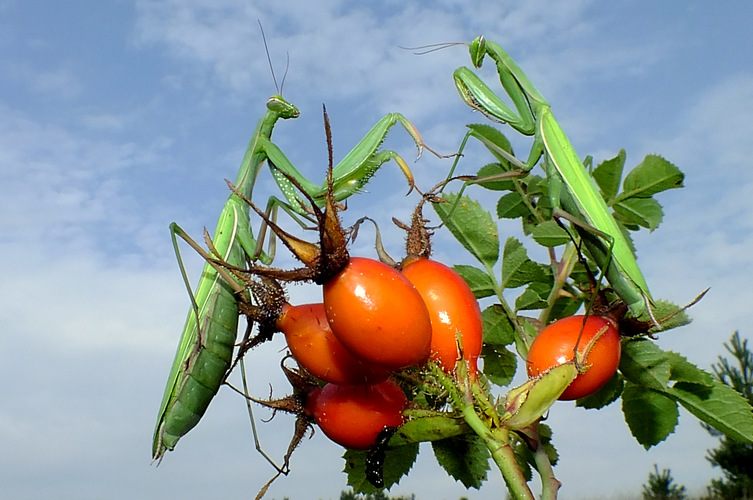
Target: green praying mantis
207, 343
206, 346
580, 198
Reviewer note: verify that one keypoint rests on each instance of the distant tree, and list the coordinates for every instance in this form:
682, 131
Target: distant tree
661, 486
735, 459
379, 495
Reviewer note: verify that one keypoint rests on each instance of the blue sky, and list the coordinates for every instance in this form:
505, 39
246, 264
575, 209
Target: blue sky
117, 118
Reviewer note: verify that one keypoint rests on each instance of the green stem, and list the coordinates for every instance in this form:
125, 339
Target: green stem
563, 270
498, 443
498, 290
497, 440
527, 201
549, 484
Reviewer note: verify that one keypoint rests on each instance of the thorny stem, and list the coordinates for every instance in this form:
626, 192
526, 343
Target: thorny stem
496, 439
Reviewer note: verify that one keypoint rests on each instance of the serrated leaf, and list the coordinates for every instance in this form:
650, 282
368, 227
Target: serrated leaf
662, 309
668, 314
397, 463
493, 139
494, 169
429, 428
517, 269
514, 256
644, 212
582, 276
653, 175
720, 406
682, 370
564, 307
644, 364
499, 364
523, 341
651, 416
525, 456
550, 234
498, 330
465, 458
472, 226
511, 206
534, 297
608, 175
531, 272
480, 282
605, 396
545, 437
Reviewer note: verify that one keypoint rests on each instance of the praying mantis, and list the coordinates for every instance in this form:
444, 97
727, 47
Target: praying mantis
571, 187
206, 346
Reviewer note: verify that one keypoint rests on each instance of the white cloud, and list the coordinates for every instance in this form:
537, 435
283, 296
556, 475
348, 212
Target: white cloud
707, 234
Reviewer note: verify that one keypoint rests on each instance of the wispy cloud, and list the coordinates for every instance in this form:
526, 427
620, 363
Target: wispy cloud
60, 83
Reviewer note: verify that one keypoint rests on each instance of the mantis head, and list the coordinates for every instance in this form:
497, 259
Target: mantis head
477, 48
282, 108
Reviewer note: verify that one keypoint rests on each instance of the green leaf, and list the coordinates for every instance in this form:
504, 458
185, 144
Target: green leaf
604, 396
564, 307
524, 339
534, 297
472, 226
683, 370
644, 212
644, 364
545, 436
514, 256
517, 269
609, 174
498, 330
479, 281
429, 428
465, 458
499, 364
663, 308
536, 185
653, 175
490, 170
651, 416
712, 402
525, 456
581, 276
550, 234
720, 406
511, 206
493, 139
397, 463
